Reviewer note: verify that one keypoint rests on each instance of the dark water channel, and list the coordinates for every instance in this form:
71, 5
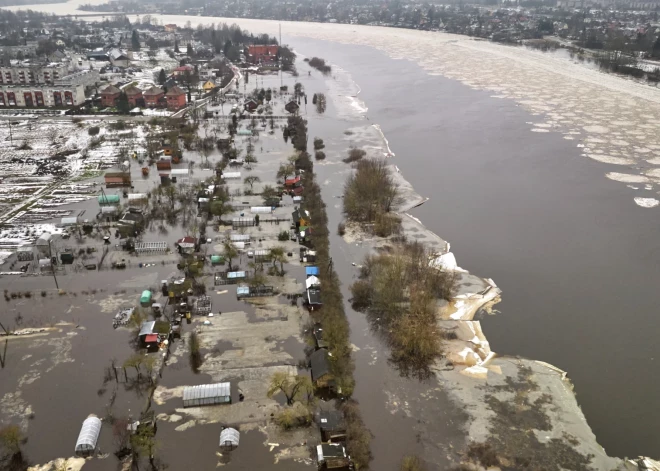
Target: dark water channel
576, 259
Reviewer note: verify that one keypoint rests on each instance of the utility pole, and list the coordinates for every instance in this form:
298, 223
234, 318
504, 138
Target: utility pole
52, 265
11, 139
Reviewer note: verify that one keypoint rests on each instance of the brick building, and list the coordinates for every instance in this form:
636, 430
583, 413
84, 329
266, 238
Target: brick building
176, 98
264, 54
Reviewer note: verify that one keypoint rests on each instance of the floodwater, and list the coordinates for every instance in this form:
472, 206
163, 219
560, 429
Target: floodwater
575, 258
576, 261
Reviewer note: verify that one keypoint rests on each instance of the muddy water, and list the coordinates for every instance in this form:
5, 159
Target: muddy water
576, 260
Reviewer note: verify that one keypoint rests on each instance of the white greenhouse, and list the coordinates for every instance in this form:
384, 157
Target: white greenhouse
229, 438
207, 394
89, 434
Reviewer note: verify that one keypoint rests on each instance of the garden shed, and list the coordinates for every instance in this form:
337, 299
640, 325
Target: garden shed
207, 394
229, 438
89, 434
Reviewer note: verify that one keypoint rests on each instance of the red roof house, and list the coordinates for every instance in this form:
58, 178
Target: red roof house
182, 70
262, 54
109, 95
176, 98
134, 95
152, 97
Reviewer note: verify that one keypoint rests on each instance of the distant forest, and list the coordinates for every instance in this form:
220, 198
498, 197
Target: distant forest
9, 3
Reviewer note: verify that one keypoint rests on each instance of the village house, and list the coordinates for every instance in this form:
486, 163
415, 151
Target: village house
154, 97
320, 365
176, 98
109, 95
209, 85
332, 426
134, 95
262, 54
292, 107
119, 59
251, 105
171, 28
180, 71
332, 456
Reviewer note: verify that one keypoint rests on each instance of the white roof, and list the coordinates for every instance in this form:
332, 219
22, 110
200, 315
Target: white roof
69, 221
312, 281
44, 238
136, 196
261, 209
239, 237
179, 171
229, 437
231, 175
206, 391
89, 434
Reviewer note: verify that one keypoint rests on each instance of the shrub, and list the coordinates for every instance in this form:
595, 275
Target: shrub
341, 228
118, 125
360, 295
25, 145
296, 416
283, 236
354, 154
318, 143
319, 155
93, 131
412, 463
320, 65
484, 454
387, 224
370, 191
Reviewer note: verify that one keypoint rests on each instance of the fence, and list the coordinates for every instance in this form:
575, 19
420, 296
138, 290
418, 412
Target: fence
143, 247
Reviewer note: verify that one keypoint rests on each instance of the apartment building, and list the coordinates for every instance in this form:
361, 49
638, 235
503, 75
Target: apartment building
26, 72
41, 96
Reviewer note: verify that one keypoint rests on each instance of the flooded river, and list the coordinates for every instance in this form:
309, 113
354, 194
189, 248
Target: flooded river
575, 257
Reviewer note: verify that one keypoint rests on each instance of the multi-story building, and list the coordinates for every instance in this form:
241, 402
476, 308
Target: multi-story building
86, 78
25, 50
26, 72
41, 96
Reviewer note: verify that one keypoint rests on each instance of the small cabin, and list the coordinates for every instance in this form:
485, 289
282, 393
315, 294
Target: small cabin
332, 426
320, 365
332, 456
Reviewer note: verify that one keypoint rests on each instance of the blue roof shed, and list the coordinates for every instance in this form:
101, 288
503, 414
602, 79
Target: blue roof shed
312, 271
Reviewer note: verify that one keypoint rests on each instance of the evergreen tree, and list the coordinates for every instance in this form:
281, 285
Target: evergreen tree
122, 103
176, 46
162, 78
135, 41
190, 51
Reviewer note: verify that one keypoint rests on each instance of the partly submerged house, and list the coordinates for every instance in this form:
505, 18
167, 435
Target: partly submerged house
186, 245
332, 426
320, 365
313, 298
332, 456
292, 107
